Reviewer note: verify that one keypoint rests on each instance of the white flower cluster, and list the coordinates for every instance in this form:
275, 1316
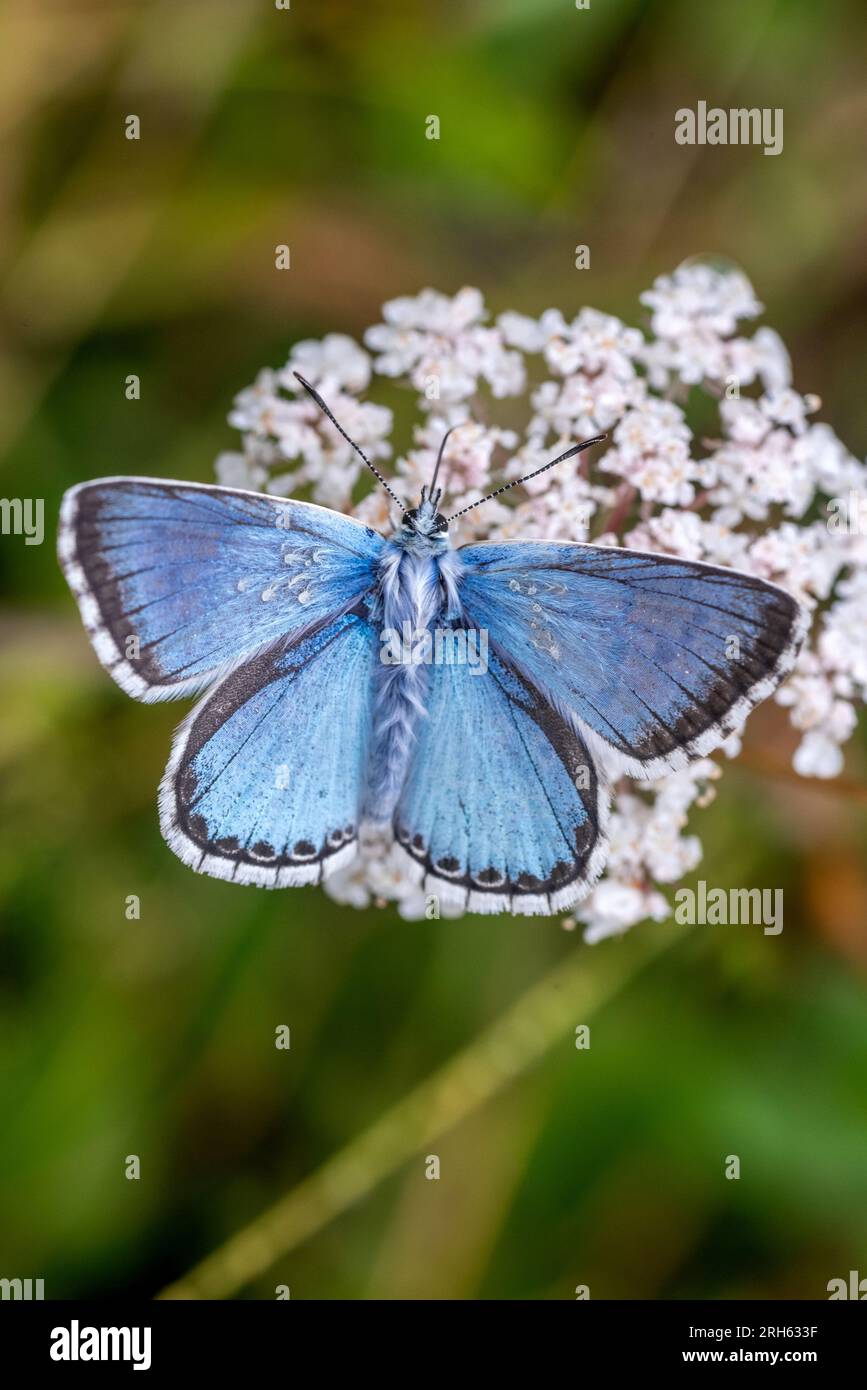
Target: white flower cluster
774, 493
282, 426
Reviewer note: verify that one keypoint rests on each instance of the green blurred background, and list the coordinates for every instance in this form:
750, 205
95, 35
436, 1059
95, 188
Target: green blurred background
156, 1037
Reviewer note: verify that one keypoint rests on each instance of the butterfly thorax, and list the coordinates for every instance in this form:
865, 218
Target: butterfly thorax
418, 577
417, 590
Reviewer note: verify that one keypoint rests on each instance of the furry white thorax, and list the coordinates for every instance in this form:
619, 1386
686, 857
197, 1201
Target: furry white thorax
418, 584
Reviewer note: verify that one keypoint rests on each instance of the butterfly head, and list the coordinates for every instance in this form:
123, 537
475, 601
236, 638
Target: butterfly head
425, 524
425, 527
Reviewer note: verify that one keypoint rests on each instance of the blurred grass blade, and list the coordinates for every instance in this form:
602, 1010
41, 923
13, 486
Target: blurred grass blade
570, 994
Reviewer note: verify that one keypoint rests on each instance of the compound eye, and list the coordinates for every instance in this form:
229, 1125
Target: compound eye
440, 523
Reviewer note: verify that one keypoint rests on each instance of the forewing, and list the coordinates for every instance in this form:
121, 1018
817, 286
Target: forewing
656, 657
177, 582
502, 810
265, 779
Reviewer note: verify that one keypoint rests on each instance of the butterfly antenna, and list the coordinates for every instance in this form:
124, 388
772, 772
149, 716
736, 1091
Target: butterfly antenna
570, 453
361, 454
440, 459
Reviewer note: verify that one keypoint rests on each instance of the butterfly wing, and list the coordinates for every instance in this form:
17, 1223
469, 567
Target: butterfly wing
502, 809
654, 660
265, 778
177, 582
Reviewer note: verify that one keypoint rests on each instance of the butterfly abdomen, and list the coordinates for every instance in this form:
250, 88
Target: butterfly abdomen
410, 598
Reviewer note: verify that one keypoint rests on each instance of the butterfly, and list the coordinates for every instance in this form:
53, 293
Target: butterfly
489, 779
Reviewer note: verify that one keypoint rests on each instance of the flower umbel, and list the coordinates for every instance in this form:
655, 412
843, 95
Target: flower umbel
773, 492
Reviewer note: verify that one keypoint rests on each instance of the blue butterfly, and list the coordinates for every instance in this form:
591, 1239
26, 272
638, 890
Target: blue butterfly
598, 661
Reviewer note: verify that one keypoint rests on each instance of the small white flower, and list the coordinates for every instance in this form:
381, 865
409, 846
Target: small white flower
442, 346
592, 343
613, 907
786, 407
818, 755
261, 410
582, 405
239, 470
335, 364
698, 295
773, 364
651, 451
531, 335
